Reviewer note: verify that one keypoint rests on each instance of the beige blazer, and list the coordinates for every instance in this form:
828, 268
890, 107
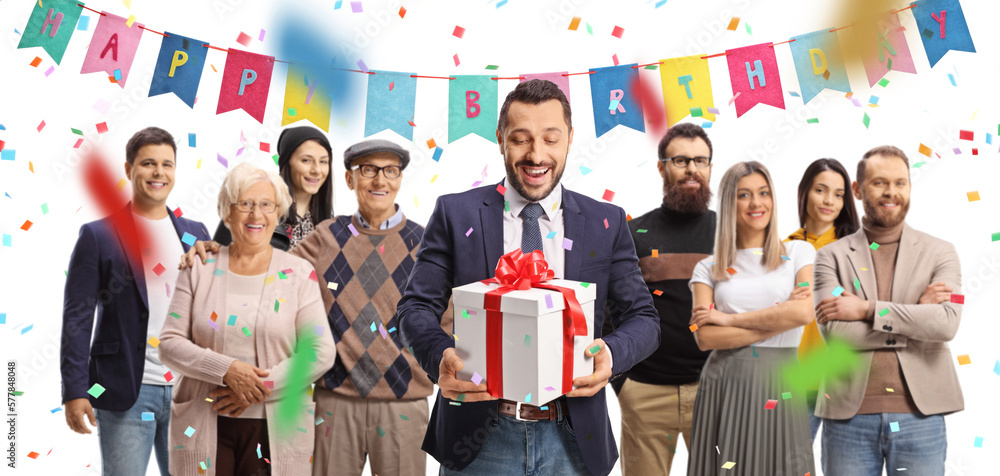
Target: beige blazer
290, 311
918, 332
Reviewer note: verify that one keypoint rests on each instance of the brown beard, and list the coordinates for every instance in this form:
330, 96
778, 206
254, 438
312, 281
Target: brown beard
678, 199
876, 217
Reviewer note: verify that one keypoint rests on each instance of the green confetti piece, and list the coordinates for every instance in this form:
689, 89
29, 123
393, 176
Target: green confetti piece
460, 397
282, 275
696, 112
883, 82
381, 432
595, 349
749, 30
927, 33
888, 64
874, 246
455, 403
45, 209
492, 66
586, 285
996, 237
641, 230
291, 111
404, 417
96, 390
179, 447
76, 131
276, 302
786, 395
804, 284
17, 393
867, 120
883, 312
652, 66
275, 158
246, 331
812, 121
299, 428
918, 165
465, 313
202, 463
590, 30
175, 315
506, 205
838, 359
527, 340
857, 283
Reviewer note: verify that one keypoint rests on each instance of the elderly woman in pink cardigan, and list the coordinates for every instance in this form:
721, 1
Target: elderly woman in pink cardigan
247, 333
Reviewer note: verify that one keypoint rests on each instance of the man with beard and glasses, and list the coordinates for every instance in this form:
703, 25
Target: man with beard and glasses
886, 289
657, 395
471, 432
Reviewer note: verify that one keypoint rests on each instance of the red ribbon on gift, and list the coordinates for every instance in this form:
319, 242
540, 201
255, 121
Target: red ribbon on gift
518, 272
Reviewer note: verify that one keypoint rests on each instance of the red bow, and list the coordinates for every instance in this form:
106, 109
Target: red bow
519, 271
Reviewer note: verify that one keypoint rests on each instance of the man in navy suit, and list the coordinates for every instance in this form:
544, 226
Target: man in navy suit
125, 265
469, 431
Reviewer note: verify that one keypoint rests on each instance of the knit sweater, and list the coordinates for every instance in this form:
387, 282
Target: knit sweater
361, 274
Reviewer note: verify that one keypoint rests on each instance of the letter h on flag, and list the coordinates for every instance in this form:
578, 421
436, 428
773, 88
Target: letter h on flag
753, 72
245, 83
610, 86
51, 26
179, 67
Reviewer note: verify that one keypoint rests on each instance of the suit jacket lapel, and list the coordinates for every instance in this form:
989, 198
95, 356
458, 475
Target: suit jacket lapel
491, 222
861, 257
125, 230
906, 259
573, 223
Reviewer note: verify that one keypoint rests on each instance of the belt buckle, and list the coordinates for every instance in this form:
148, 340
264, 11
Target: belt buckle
517, 413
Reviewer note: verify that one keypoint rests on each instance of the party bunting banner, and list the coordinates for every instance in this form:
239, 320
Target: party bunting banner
610, 86
392, 99
890, 51
687, 88
113, 47
179, 67
933, 16
560, 79
51, 26
306, 98
753, 72
472, 107
245, 83
819, 64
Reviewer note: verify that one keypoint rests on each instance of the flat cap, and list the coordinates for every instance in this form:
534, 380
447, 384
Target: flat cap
372, 146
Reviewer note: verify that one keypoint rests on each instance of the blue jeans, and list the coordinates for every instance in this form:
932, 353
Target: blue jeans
527, 448
126, 440
859, 446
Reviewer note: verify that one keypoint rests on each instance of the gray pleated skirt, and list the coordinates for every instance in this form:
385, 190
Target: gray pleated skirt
730, 422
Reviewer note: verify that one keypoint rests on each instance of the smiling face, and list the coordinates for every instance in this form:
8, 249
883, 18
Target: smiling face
825, 198
253, 229
753, 204
534, 145
885, 192
686, 189
376, 195
309, 167
152, 174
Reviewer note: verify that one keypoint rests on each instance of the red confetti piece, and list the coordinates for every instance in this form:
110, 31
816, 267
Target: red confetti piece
312, 276
402, 12
391, 85
501, 189
79, 142
168, 376
771, 404
628, 217
965, 135
658, 292
975, 151
958, 298
102, 128
178, 213
159, 269
41, 125
608, 195
617, 32
614, 58
731, 271
265, 147
27, 225
214, 316
35, 62
244, 39
457, 62
459, 32
33, 455
606, 224
411, 124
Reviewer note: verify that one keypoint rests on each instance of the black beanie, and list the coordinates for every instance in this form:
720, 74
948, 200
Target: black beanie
291, 138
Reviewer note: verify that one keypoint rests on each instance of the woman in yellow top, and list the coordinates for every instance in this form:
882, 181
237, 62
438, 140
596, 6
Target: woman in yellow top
825, 217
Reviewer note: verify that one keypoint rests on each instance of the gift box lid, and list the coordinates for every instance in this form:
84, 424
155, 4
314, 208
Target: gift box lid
530, 302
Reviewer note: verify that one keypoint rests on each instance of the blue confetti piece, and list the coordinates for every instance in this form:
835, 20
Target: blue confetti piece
437, 154
894, 426
391, 330
996, 368
706, 125
873, 100
3, 127
218, 272
118, 74
189, 431
989, 138
546, 407
3, 317
527, 398
794, 94
501, 3
147, 416
336, 6
192, 139
232, 320
188, 239
614, 104
373, 327
7, 154
7, 240
551, 235
83, 24
661, 3
57, 409
979, 442
951, 78
837, 291
585, 170
26, 329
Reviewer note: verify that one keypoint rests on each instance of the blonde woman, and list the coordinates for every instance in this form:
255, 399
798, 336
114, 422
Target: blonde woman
751, 300
237, 327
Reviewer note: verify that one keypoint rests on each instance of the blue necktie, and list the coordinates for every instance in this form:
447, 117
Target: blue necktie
531, 236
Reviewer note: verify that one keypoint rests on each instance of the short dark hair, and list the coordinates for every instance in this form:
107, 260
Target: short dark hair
886, 150
686, 130
847, 221
535, 91
148, 136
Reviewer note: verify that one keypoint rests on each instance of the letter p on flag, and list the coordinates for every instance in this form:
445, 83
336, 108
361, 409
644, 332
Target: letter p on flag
180, 58
472, 107
248, 77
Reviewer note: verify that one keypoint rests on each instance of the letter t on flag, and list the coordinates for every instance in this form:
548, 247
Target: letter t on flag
179, 67
686, 85
51, 25
472, 107
112, 47
245, 83
753, 72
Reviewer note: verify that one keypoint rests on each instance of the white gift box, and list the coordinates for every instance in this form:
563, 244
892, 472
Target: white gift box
533, 348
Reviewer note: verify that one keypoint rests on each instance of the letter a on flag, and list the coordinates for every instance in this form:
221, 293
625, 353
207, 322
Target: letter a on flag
112, 47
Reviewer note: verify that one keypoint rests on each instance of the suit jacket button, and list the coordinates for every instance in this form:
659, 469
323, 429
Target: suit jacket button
894, 342
885, 328
890, 329
888, 342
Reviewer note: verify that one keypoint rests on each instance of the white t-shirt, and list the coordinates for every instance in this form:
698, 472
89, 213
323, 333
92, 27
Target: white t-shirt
753, 287
166, 251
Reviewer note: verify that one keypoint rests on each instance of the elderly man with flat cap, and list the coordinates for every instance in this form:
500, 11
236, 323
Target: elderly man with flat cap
373, 401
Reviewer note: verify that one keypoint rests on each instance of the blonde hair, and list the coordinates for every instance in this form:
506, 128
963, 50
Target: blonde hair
725, 238
244, 176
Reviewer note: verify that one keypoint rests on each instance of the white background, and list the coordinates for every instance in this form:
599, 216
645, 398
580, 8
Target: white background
522, 37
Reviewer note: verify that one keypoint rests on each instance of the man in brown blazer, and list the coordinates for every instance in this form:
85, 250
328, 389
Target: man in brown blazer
886, 289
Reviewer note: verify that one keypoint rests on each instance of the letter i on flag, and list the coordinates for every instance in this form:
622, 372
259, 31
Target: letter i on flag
686, 86
179, 67
472, 107
942, 28
614, 102
753, 72
818, 63
245, 83
887, 51
306, 98
113, 47
392, 99
51, 26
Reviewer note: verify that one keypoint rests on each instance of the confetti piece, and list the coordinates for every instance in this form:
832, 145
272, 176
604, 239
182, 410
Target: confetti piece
857, 283
548, 301
728, 465
964, 360
693, 327
3, 317
731, 271
49, 71
867, 120
733, 24
356, 7
168, 376
232, 320
749, 30
978, 442
617, 32
96, 390
455, 58
567, 244
153, 341
874, 246
500, 188
102, 128
574, 23
883, 82
354, 231
189, 431
118, 75
527, 398
130, 21
476, 378
261, 36
594, 350
83, 24
605, 223
658, 292
33, 455
966, 135
812, 121
614, 57
771, 404
803, 284
608, 195
883, 312
894, 426
147, 416
467, 233
332, 286
890, 390
25, 331
501, 3
437, 154
550, 235
244, 39
458, 32
159, 269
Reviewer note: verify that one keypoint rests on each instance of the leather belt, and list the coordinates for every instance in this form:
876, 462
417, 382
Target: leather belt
523, 411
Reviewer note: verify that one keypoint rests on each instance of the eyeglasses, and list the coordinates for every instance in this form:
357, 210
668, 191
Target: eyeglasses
391, 172
247, 206
681, 161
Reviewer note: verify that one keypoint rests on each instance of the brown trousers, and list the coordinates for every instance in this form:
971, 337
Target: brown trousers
237, 448
653, 417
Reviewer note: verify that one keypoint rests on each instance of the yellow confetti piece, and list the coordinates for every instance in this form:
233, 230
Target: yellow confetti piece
434, 178
332, 286
281, 300
964, 360
130, 21
728, 465
887, 389
974, 113
268, 280
758, 252
121, 184
31, 167
973, 196
925, 150
864, 269
555, 205
153, 341
455, 336
127, 3
199, 165
416, 203
209, 400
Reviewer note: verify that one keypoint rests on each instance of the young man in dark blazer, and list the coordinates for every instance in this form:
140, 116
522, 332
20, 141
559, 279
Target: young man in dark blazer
125, 266
483, 435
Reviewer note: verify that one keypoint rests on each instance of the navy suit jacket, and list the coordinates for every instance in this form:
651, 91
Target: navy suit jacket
101, 276
601, 254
